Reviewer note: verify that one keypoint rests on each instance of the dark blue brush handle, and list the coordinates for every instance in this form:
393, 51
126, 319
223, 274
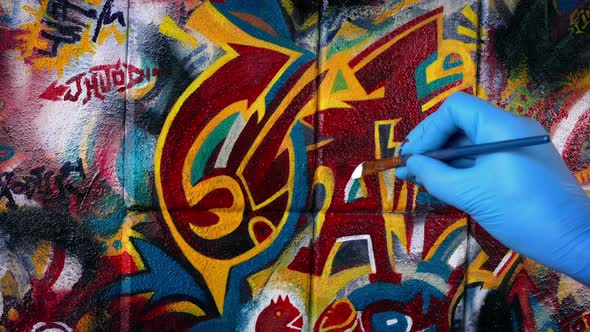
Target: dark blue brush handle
472, 150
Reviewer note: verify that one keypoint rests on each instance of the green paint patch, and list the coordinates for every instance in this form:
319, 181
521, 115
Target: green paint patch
425, 88
339, 82
355, 191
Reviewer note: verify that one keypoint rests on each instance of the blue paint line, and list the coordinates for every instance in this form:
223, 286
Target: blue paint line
162, 276
240, 272
363, 297
6, 152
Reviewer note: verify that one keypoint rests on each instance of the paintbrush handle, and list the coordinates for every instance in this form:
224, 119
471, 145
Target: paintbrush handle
477, 149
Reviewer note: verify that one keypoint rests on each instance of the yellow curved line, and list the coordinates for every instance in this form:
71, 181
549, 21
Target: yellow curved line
220, 31
456, 225
263, 220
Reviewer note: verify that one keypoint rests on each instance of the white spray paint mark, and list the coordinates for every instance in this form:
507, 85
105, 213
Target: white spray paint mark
503, 262
390, 322
230, 141
567, 125
458, 256
70, 274
417, 245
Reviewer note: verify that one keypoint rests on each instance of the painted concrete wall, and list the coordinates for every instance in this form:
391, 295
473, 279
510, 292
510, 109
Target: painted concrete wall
184, 165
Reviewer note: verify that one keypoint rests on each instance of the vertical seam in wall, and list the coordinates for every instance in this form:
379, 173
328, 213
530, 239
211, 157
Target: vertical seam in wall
470, 221
478, 46
321, 7
125, 317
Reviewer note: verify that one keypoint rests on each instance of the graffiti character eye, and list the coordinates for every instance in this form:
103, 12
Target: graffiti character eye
391, 321
278, 314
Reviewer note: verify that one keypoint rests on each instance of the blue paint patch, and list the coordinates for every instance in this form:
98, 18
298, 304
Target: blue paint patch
239, 273
6, 152
514, 321
107, 223
424, 88
267, 10
361, 298
438, 262
566, 6
390, 321
139, 160
425, 198
162, 276
319, 196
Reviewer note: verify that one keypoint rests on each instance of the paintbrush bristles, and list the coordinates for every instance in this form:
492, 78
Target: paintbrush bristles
376, 166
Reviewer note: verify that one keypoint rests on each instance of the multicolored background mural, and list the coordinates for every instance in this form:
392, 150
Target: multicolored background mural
184, 165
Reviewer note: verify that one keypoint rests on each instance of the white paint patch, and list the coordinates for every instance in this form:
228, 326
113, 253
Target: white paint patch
291, 324
503, 262
22, 200
359, 318
41, 326
347, 189
390, 322
362, 237
230, 141
458, 256
388, 177
473, 308
430, 278
358, 171
417, 245
567, 125
69, 276
410, 323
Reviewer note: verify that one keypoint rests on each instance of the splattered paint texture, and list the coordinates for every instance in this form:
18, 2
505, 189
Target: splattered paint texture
184, 165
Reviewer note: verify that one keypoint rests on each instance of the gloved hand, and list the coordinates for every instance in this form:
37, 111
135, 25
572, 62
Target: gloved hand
527, 197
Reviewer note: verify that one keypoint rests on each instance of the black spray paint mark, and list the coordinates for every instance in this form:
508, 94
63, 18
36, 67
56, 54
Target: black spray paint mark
530, 40
107, 18
35, 225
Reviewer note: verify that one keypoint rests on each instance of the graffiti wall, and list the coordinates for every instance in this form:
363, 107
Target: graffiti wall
184, 165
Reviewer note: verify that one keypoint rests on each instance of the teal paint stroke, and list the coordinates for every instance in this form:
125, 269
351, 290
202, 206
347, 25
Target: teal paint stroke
211, 142
423, 88
6, 152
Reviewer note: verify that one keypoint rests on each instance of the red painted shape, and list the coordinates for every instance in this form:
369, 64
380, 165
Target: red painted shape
353, 131
302, 261
335, 316
243, 78
261, 231
9, 38
521, 288
54, 92
394, 70
280, 315
221, 198
393, 34
269, 173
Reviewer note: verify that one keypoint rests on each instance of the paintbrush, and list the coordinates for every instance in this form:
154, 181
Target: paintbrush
374, 166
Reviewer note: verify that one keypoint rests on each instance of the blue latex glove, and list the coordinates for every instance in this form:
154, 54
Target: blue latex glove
527, 198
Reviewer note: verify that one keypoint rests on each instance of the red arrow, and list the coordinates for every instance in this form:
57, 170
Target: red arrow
54, 91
